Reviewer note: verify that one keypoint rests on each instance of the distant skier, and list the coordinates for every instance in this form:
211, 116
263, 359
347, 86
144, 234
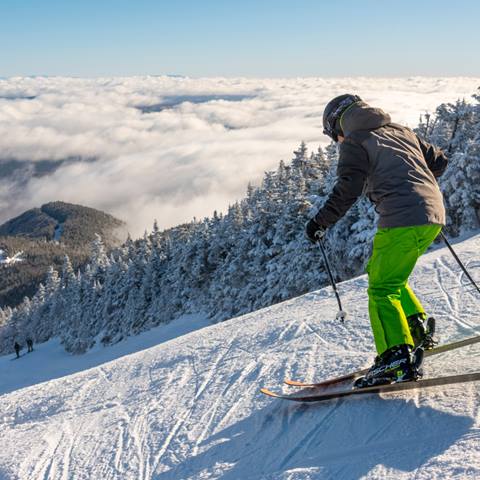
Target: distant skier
17, 348
29, 345
397, 171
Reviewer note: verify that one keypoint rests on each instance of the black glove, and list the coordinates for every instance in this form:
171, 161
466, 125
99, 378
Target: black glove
313, 231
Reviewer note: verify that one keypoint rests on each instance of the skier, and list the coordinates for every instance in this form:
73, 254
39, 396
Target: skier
398, 171
29, 345
17, 348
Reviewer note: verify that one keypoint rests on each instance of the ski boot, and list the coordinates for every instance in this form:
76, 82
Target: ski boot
397, 364
422, 331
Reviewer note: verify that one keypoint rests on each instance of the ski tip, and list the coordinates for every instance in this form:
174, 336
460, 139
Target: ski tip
294, 383
268, 392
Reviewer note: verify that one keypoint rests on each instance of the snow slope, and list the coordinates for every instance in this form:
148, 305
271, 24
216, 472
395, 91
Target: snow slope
190, 408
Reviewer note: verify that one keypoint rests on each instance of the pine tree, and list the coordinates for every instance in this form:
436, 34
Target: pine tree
99, 258
300, 156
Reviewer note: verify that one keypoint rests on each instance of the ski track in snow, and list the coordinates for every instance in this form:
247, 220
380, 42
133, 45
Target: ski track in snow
190, 408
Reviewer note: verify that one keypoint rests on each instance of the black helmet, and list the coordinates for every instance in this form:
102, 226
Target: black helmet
333, 111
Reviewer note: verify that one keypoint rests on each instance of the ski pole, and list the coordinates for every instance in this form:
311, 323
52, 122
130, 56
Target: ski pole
341, 313
462, 266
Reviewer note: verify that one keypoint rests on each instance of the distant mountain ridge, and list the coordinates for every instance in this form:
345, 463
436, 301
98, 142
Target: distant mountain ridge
65, 222
21, 172
45, 235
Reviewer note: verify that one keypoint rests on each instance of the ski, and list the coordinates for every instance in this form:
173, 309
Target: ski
393, 387
354, 375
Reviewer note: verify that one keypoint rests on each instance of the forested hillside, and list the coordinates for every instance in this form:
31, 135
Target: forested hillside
44, 236
65, 222
253, 256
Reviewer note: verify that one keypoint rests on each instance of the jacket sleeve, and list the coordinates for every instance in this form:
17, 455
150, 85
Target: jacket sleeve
352, 172
436, 160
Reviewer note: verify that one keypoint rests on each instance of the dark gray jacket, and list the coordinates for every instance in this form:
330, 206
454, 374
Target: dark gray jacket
390, 164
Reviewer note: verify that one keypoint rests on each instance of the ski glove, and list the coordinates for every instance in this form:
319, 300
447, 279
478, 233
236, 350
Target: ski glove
313, 231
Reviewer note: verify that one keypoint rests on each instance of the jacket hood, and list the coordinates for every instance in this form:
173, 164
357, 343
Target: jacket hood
362, 116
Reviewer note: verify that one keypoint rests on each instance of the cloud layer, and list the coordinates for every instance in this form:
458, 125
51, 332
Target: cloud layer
170, 147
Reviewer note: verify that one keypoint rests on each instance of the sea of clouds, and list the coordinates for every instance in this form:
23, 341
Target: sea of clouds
174, 148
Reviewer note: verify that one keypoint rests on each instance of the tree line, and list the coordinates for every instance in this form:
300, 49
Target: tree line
230, 264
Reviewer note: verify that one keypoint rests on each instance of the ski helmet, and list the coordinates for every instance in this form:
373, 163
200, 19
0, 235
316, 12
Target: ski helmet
334, 110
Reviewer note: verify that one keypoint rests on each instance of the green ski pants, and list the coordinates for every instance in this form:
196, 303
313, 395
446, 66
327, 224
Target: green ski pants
390, 298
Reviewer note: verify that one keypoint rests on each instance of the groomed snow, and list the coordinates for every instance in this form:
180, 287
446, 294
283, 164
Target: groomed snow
190, 408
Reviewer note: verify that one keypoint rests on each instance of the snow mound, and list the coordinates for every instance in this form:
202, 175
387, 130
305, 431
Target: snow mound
190, 408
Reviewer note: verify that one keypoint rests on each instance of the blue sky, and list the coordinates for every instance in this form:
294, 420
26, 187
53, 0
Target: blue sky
268, 38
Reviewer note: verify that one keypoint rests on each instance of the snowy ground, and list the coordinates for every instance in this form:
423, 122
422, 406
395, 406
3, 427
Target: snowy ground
52, 361
190, 408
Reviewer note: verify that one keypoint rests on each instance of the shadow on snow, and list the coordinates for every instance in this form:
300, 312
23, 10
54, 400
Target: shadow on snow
343, 439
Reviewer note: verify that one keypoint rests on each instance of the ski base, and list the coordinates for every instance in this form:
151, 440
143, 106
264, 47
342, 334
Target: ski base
393, 387
359, 373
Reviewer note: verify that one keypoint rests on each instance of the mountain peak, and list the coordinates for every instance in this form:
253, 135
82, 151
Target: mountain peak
65, 222
45, 235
